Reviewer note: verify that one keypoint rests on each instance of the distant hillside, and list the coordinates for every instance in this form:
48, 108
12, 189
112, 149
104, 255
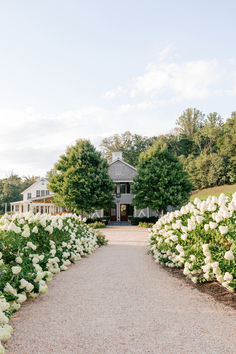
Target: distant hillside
204, 193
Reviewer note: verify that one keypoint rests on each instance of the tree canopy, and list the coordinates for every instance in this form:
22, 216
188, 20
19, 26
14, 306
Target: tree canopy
161, 180
11, 188
80, 181
130, 144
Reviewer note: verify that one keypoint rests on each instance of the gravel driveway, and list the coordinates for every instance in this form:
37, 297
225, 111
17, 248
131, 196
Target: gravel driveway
118, 300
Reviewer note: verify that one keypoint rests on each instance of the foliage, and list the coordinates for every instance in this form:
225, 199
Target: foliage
161, 181
11, 188
135, 220
201, 238
81, 182
32, 249
190, 122
145, 224
97, 225
104, 220
206, 170
130, 144
101, 239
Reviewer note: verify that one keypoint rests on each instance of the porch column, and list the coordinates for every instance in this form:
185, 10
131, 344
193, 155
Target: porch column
118, 211
148, 212
118, 188
135, 212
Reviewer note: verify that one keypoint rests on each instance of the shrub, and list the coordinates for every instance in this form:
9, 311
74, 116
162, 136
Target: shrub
104, 220
145, 224
32, 249
135, 220
201, 238
97, 225
101, 239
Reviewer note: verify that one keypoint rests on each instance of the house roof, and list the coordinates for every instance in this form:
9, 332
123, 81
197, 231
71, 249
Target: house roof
125, 163
35, 183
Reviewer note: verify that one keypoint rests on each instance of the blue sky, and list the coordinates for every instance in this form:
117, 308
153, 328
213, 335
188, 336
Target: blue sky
89, 69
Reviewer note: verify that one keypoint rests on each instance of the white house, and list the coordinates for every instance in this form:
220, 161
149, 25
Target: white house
36, 198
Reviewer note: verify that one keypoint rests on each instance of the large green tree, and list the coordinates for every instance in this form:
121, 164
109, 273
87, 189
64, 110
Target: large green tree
130, 144
161, 180
81, 182
206, 138
190, 122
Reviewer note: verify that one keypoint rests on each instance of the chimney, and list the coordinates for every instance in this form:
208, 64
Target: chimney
116, 155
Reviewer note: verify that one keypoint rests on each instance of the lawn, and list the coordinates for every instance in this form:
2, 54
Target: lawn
204, 193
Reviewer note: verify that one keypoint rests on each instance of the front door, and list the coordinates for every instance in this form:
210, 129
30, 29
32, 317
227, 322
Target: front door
113, 213
124, 210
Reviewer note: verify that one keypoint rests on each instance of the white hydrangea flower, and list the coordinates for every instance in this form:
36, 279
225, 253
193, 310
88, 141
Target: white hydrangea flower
31, 245
228, 277
229, 256
223, 229
16, 269
213, 225
35, 230
19, 259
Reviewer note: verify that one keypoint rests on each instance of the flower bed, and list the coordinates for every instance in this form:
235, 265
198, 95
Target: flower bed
201, 238
32, 249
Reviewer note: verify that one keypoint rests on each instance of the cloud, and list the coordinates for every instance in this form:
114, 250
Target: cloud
120, 91
165, 52
170, 80
190, 80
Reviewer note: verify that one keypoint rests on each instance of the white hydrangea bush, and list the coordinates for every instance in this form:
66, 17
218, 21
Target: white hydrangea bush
201, 239
32, 249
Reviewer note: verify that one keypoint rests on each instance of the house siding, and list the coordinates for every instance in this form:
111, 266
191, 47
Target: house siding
121, 172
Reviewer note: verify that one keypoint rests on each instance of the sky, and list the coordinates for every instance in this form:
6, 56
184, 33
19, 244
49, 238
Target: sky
72, 69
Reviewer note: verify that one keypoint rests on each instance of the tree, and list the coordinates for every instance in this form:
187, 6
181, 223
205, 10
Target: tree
11, 188
81, 181
206, 138
206, 170
130, 144
161, 181
227, 146
190, 122
227, 143
177, 144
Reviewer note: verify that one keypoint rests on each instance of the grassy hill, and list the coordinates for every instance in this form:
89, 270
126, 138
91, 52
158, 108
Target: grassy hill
204, 193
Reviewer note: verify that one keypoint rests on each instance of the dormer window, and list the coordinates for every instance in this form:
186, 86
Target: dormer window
29, 195
42, 193
47, 192
37, 193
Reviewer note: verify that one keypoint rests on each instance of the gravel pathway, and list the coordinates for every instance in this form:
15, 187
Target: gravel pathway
118, 300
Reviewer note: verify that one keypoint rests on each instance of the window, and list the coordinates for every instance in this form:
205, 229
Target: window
37, 194
42, 193
29, 195
17, 207
47, 192
125, 188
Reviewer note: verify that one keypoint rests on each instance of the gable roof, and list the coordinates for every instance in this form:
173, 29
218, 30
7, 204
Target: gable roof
35, 183
126, 163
